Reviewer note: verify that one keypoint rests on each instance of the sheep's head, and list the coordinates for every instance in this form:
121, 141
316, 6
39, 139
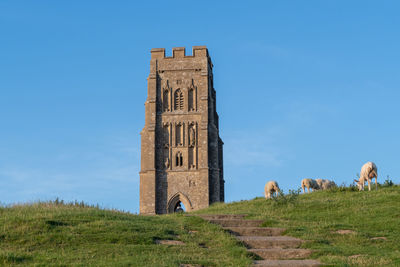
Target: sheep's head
359, 183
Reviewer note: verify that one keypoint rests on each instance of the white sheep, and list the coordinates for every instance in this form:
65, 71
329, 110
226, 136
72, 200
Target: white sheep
309, 184
270, 188
324, 184
368, 172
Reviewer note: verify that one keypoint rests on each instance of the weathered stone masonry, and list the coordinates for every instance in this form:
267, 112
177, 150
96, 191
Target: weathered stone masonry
181, 149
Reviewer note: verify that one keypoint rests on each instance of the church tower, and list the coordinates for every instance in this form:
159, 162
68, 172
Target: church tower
181, 151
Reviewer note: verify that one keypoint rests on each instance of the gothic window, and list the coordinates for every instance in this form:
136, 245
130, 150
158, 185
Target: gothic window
178, 100
179, 159
166, 100
191, 99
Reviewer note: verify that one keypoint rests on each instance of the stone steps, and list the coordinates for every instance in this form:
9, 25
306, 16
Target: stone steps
287, 263
265, 242
236, 222
270, 241
255, 231
280, 254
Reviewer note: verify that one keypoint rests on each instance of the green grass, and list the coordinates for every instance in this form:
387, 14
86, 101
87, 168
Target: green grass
317, 216
56, 234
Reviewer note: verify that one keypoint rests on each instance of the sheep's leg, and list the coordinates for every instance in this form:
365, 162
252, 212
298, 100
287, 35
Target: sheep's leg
369, 184
277, 193
376, 181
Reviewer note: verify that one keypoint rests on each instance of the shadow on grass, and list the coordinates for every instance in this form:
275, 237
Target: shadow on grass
14, 258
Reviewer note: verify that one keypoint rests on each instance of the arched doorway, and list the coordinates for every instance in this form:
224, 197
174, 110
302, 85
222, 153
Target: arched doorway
179, 200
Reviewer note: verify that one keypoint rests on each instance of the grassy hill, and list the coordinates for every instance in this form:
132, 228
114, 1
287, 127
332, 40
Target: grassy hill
55, 234
58, 234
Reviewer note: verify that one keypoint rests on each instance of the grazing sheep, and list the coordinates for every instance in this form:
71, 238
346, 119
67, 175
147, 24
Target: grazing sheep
270, 188
368, 172
324, 184
309, 184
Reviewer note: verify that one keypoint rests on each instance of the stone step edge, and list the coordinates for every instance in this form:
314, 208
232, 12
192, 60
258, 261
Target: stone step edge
281, 253
270, 238
283, 242
234, 220
287, 263
237, 230
254, 227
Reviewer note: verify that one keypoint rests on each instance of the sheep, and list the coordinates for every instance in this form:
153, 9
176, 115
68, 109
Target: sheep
324, 184
270, 188
368, 172
309, 183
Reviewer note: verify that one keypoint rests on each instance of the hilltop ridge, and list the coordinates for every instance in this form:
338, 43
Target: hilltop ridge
342, 227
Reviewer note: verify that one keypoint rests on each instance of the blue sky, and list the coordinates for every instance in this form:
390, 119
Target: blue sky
304, 89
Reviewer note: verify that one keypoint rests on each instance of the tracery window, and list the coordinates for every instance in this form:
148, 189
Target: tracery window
178, 100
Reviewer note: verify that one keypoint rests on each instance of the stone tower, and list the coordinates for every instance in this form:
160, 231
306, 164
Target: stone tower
181, 161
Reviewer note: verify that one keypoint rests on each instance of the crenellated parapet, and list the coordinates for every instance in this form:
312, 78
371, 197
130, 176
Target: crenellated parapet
180, 52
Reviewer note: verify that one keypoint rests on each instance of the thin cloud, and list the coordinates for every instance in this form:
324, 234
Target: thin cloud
254, 149
77, 175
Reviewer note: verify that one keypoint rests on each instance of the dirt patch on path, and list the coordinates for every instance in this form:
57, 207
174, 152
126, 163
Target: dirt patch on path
170, 242
379, 238
344, 232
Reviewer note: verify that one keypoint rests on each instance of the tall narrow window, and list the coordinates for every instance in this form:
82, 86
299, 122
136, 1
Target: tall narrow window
192, 135
178, 135
191, 158
166, 135
191, 99
166, 100
178, 100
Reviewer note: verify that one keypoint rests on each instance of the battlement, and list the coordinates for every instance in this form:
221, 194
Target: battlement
179, 52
